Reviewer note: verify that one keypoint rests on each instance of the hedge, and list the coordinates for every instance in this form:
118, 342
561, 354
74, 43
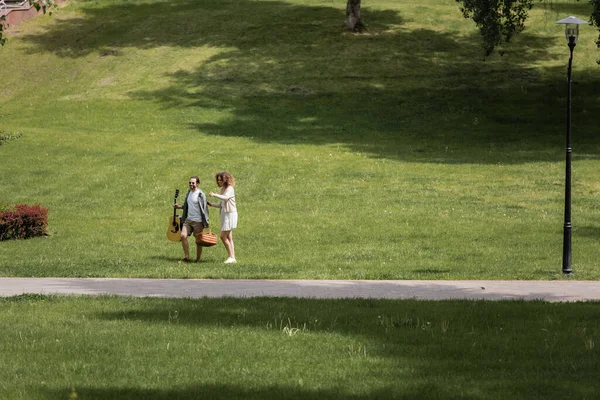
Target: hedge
22, 221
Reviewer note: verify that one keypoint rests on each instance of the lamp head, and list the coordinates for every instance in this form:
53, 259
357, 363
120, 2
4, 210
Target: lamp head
572, 28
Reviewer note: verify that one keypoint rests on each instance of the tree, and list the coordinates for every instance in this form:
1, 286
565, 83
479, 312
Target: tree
499, 20
353, 20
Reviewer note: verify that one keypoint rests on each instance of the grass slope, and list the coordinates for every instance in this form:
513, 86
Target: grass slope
399, 153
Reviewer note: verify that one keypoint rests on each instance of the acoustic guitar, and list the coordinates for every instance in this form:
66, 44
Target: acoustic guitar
174, 231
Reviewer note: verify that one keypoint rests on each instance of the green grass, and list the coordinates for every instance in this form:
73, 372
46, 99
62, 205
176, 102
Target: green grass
124, 348
395, 154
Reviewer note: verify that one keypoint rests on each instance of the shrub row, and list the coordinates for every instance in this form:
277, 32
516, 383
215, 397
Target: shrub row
22, 221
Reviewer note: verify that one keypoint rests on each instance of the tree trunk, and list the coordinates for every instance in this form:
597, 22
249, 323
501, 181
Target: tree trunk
353, 21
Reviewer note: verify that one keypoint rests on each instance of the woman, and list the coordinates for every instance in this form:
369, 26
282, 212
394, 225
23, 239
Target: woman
228, 214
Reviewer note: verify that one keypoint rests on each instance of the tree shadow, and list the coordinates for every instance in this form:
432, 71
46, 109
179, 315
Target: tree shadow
588, 231
580, 8
245, 25
291, 74
432, 271
232, 392
404, 332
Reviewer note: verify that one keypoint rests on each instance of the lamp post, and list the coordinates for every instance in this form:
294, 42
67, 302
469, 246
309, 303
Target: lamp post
571, 33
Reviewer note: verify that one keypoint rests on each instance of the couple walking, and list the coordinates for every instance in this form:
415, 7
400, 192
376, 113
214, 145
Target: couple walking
195, 214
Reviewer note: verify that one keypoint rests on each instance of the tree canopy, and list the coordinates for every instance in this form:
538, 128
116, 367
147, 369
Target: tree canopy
499, 20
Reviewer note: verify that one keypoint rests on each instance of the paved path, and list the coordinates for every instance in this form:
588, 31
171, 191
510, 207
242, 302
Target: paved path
564, 290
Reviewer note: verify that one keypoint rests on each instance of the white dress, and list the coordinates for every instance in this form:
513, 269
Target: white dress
229, 215
228, 220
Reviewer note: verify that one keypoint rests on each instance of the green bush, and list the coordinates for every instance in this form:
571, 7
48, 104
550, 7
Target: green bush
2, 21
22, 221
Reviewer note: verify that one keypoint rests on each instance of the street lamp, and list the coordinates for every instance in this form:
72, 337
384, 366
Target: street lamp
571, 33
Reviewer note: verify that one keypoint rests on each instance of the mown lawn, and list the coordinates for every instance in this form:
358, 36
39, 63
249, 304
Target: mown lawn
124, 348
399, 153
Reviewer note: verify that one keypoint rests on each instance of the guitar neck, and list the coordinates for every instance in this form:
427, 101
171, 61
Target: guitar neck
174, 204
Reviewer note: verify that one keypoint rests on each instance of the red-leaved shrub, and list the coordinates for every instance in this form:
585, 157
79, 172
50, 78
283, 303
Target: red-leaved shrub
23, 221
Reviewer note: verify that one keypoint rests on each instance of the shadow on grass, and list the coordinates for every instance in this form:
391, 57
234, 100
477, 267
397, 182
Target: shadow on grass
476, 345
414, 349
291, 74
230, 392
160, 257
588, 231
432, 271
580, 8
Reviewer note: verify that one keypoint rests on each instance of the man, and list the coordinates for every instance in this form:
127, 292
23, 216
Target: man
195, 217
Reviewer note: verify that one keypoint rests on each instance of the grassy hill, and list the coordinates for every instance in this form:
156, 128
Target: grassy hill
399, 153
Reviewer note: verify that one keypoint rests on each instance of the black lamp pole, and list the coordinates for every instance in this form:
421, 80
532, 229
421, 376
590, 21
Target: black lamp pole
571, 32
567, 249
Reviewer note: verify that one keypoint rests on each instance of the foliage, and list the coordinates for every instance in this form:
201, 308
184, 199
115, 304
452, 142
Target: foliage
497, 20
44, 5
2, 21
500, 20
22, 221
595, 19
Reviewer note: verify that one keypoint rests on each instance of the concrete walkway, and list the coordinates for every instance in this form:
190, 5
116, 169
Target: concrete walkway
554, 291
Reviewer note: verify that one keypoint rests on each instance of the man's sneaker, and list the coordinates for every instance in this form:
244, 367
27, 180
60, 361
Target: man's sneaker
230, 260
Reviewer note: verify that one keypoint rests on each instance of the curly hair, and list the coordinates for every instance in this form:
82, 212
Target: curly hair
228, 179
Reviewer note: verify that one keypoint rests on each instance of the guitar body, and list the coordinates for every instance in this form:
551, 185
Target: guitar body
175, 225
174, 231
